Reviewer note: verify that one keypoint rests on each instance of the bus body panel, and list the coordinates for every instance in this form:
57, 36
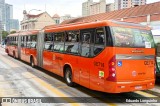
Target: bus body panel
52, 62
28, 53
99, 70
57, 68
33, 53
85, 67
72, 61
126, 86
58, 63
133, 66
23, 52
48, 60
135, 70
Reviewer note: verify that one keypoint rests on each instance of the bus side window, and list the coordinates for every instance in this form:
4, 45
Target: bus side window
33, 41
86, 41
59, 41
17, 41
22, 41
28, 41
72, 42
99, 41
48, 39
25, 41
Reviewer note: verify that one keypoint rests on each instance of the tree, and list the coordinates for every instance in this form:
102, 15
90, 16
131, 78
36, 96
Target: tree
12, 32
4, 34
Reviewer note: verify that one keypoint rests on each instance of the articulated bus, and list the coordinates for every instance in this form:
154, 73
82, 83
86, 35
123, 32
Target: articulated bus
107, 56
22, 45
156, 36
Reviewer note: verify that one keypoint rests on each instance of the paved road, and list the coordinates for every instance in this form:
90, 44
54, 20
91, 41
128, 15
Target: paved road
18, 79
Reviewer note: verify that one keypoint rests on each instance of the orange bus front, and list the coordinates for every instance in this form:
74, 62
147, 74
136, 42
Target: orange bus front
131, 65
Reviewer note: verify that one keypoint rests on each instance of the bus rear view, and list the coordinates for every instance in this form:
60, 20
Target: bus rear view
132, 64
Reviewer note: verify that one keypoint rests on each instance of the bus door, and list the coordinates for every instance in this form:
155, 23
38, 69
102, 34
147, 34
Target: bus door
48, 52
97, 74
72, 52
58, 55
85, 60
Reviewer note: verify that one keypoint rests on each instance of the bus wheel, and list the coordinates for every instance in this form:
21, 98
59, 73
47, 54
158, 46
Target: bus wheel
68, 76
14, 55
32, 62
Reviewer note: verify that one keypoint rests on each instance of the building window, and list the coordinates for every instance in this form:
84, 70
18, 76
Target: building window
26, 27
57, 21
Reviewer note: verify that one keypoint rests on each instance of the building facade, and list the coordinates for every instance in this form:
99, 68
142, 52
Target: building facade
90, 8
2, 14
8, 16
35, 22
65, 17
86, 7
14, 24
56, 19
109, 7
99, 7
121, 4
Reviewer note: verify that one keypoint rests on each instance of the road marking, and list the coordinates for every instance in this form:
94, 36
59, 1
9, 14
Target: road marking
62, 87
145, 94
52, 89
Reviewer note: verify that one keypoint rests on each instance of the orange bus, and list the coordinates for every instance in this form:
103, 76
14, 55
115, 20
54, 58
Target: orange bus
107, 56
22, 45
12, 45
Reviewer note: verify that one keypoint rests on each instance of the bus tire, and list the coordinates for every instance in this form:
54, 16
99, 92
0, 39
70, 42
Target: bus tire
68, 76
32, 62
14, 55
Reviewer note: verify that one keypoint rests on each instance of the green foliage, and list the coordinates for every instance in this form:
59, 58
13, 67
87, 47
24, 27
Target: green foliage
12, 32
4, 34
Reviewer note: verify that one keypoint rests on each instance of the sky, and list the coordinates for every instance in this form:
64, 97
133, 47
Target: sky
61, 7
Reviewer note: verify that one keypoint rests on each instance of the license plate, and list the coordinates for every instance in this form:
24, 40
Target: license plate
138, 87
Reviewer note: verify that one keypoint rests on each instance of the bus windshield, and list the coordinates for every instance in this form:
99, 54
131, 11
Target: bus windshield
129, 37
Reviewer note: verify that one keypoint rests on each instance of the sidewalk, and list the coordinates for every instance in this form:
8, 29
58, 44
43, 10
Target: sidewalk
2, 46
2, 50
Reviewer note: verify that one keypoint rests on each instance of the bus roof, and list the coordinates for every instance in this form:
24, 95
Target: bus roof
85, 25
22, 33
